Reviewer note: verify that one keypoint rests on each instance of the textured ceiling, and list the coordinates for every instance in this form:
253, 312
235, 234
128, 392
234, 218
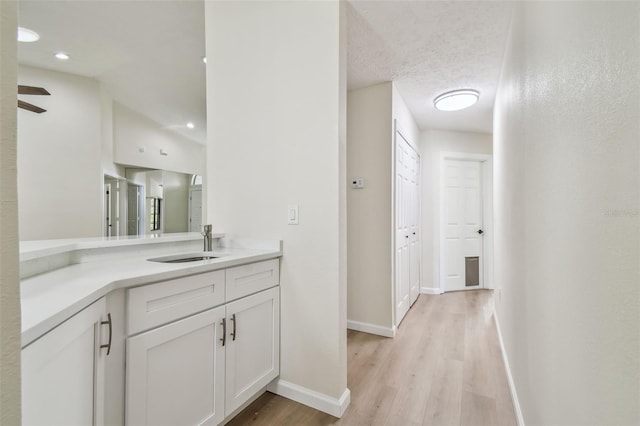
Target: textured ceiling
148, 54
428, 48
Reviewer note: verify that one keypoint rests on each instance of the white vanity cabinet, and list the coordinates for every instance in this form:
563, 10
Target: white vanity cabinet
63, 371
252, 346
193, 355
175, 373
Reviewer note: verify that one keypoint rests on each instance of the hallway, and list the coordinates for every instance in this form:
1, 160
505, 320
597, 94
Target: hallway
443, 368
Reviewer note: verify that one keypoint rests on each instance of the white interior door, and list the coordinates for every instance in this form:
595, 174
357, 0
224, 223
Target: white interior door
135, 210
195, 210
407, 217
461, 228
414, 225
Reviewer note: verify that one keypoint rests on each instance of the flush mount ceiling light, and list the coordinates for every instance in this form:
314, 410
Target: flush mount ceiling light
62, 56
456, 100
27, 36
204, 59
190, 125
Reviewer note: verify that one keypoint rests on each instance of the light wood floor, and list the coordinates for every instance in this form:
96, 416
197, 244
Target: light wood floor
443, 368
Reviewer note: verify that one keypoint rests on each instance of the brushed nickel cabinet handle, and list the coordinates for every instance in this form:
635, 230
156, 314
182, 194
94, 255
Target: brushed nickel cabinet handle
108, 322
223, 339
234, 334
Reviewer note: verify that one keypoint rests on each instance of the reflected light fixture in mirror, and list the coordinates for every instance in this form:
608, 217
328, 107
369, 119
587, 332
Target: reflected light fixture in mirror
26, 35
456, 100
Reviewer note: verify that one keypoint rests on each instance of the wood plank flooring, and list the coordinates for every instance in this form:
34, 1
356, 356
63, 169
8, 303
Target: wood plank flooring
443, 368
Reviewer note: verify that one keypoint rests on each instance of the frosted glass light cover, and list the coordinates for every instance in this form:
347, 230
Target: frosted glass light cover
456, 100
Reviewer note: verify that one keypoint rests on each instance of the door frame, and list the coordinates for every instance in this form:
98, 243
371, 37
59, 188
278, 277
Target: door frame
116, 197
397, 130
487, 216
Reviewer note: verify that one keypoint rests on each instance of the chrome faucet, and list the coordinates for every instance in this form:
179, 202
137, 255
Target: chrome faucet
208, 238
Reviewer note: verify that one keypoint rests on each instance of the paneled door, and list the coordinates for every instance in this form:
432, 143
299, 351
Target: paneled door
407, 216
461, 225
414, 225
195, 210
135, 211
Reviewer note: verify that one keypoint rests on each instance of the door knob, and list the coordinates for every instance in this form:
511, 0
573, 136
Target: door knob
480, 231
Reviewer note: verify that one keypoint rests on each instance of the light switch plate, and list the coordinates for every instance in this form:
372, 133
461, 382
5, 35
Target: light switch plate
293, 214
357, 183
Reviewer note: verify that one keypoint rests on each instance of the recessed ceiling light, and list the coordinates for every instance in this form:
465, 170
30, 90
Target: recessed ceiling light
456, 100
27, 36
204, 59
190, 125
62, 56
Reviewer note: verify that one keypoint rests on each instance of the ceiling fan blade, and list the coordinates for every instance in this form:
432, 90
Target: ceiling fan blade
32, 90
30, 107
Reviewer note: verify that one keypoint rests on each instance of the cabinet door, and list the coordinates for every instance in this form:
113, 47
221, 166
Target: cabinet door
175, 373
63, 372
253, 346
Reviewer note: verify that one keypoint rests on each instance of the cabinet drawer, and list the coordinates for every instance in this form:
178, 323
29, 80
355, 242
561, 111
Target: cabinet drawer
248, 279
156, 304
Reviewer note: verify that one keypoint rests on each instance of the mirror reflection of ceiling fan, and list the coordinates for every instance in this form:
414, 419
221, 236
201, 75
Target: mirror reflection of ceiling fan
31, 90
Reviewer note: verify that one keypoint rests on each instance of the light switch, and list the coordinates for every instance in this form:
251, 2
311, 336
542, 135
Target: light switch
292, 215
357, 183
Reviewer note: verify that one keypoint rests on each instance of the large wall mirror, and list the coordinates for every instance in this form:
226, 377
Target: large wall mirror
126, 111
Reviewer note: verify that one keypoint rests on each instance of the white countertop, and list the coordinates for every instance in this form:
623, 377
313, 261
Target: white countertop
34, 249
50, 298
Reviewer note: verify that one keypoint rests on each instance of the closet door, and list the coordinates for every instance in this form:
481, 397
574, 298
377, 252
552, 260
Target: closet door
407, 238
414, 226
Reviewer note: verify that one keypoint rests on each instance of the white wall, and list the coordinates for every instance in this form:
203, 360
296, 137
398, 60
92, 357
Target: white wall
106, 130
369, 223
276, 137
371, 113
403, 118
59, 158
133, 131
567, 204
9, 269
432, 144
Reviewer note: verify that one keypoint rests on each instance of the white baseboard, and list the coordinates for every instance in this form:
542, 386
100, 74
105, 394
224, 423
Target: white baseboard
310, 398
512, 386
372, 328
430, 290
